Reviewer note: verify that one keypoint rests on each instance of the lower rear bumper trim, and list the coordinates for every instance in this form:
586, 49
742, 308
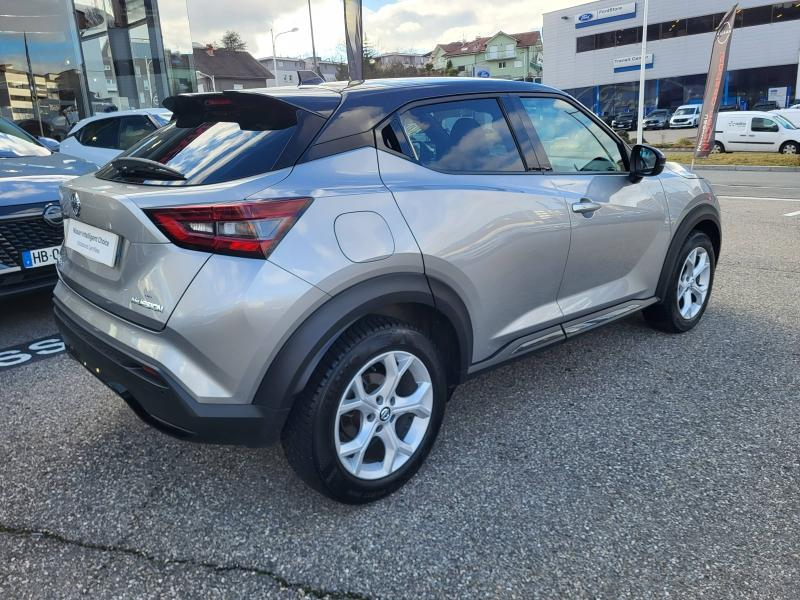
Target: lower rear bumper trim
160, 401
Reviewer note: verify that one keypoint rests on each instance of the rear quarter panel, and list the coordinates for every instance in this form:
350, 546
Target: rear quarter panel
344, 184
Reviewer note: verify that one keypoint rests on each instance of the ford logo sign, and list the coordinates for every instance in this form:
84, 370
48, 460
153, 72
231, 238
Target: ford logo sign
585, 17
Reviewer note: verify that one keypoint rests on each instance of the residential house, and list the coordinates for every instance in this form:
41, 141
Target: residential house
406, 59
219, 69
327, 68
285, 69
503, 56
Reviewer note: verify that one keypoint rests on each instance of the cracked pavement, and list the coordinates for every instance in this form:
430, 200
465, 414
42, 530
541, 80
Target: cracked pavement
625, 464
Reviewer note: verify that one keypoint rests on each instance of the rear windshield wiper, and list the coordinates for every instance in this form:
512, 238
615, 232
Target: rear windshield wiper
130, 166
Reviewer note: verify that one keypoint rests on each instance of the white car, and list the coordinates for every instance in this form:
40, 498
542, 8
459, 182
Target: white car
102, 137
755, 131
685, 116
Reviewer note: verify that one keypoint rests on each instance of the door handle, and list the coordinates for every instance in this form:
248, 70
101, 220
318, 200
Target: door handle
586, 206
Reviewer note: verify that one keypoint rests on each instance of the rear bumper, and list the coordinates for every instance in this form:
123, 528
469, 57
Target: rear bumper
160, 401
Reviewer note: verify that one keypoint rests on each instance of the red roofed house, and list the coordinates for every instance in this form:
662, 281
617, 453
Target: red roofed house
503, 55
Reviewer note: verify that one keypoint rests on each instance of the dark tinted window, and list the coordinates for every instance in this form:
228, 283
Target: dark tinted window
585, 43
673, 29
704, 24
212, 152
764, 125
654, 32
606, 40
132, 129
786, 11
628, 36
15, 142
463, 136
103, 133
760, 15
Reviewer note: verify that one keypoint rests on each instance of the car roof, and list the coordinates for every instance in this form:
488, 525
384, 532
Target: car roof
119, 113
366, 103
356, 107
748, 113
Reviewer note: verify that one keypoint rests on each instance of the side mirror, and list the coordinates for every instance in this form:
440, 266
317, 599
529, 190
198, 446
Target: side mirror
50, 143
646, 161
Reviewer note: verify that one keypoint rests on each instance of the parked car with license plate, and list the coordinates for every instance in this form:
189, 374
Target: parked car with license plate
657, 119
685, 116
323, 265
31, 230
625, 121
102, 137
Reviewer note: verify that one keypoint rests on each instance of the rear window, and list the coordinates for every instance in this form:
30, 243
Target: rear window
210, 152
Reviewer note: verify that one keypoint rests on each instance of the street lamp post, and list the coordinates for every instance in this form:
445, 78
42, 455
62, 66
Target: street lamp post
642, 70
313, 49
274, 54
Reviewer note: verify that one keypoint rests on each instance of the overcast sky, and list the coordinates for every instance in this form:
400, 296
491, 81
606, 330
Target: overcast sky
389, 24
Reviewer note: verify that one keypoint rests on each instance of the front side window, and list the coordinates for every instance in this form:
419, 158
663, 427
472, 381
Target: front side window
468, 136
763, 125
573, 142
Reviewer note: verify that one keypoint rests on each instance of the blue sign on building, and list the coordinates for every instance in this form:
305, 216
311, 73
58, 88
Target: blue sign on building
608, 14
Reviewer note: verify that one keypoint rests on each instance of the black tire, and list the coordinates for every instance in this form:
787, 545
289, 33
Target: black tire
720, 148
308, 437
790, 148
666, 315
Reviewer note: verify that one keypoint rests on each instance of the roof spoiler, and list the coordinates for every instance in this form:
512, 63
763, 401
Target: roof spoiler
309, 78
256, 112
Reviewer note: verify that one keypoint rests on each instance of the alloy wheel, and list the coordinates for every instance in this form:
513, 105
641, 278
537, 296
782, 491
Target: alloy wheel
383, 415
693, 283
790, 148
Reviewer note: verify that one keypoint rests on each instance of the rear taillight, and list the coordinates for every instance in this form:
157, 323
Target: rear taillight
250, 229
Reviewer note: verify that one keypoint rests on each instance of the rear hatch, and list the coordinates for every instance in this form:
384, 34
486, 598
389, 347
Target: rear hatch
221, 148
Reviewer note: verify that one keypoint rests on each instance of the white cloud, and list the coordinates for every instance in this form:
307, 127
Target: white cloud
401, 25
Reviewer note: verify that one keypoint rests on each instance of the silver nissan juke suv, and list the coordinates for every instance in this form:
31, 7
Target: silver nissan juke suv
322, 265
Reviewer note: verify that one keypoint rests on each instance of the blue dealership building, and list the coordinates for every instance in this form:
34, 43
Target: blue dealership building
594, 52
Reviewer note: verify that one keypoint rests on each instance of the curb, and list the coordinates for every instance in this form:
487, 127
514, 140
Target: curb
741, 168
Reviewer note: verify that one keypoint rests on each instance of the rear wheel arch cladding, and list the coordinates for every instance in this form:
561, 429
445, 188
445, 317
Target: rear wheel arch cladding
297, 360
364, 236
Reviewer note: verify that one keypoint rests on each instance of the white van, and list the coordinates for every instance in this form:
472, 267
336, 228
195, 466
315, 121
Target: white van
790, 114
755, 131
685, 116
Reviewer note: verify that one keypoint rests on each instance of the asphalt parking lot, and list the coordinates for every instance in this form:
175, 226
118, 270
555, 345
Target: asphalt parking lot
627, 463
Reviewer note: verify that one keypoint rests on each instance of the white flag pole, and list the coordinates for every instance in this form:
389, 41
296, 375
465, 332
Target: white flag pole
642, 69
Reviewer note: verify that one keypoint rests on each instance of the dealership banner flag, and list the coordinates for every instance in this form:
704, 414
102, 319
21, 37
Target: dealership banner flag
714, 84
354, 39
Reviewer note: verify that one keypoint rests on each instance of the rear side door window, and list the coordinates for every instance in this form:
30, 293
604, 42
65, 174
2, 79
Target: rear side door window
571, 140
103, 133
132, 129
462, 136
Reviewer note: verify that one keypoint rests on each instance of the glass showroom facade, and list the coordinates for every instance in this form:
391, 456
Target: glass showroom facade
743, 89
62, 60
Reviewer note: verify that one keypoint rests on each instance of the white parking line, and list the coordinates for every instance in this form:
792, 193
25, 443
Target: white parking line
793, 214
757, 198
